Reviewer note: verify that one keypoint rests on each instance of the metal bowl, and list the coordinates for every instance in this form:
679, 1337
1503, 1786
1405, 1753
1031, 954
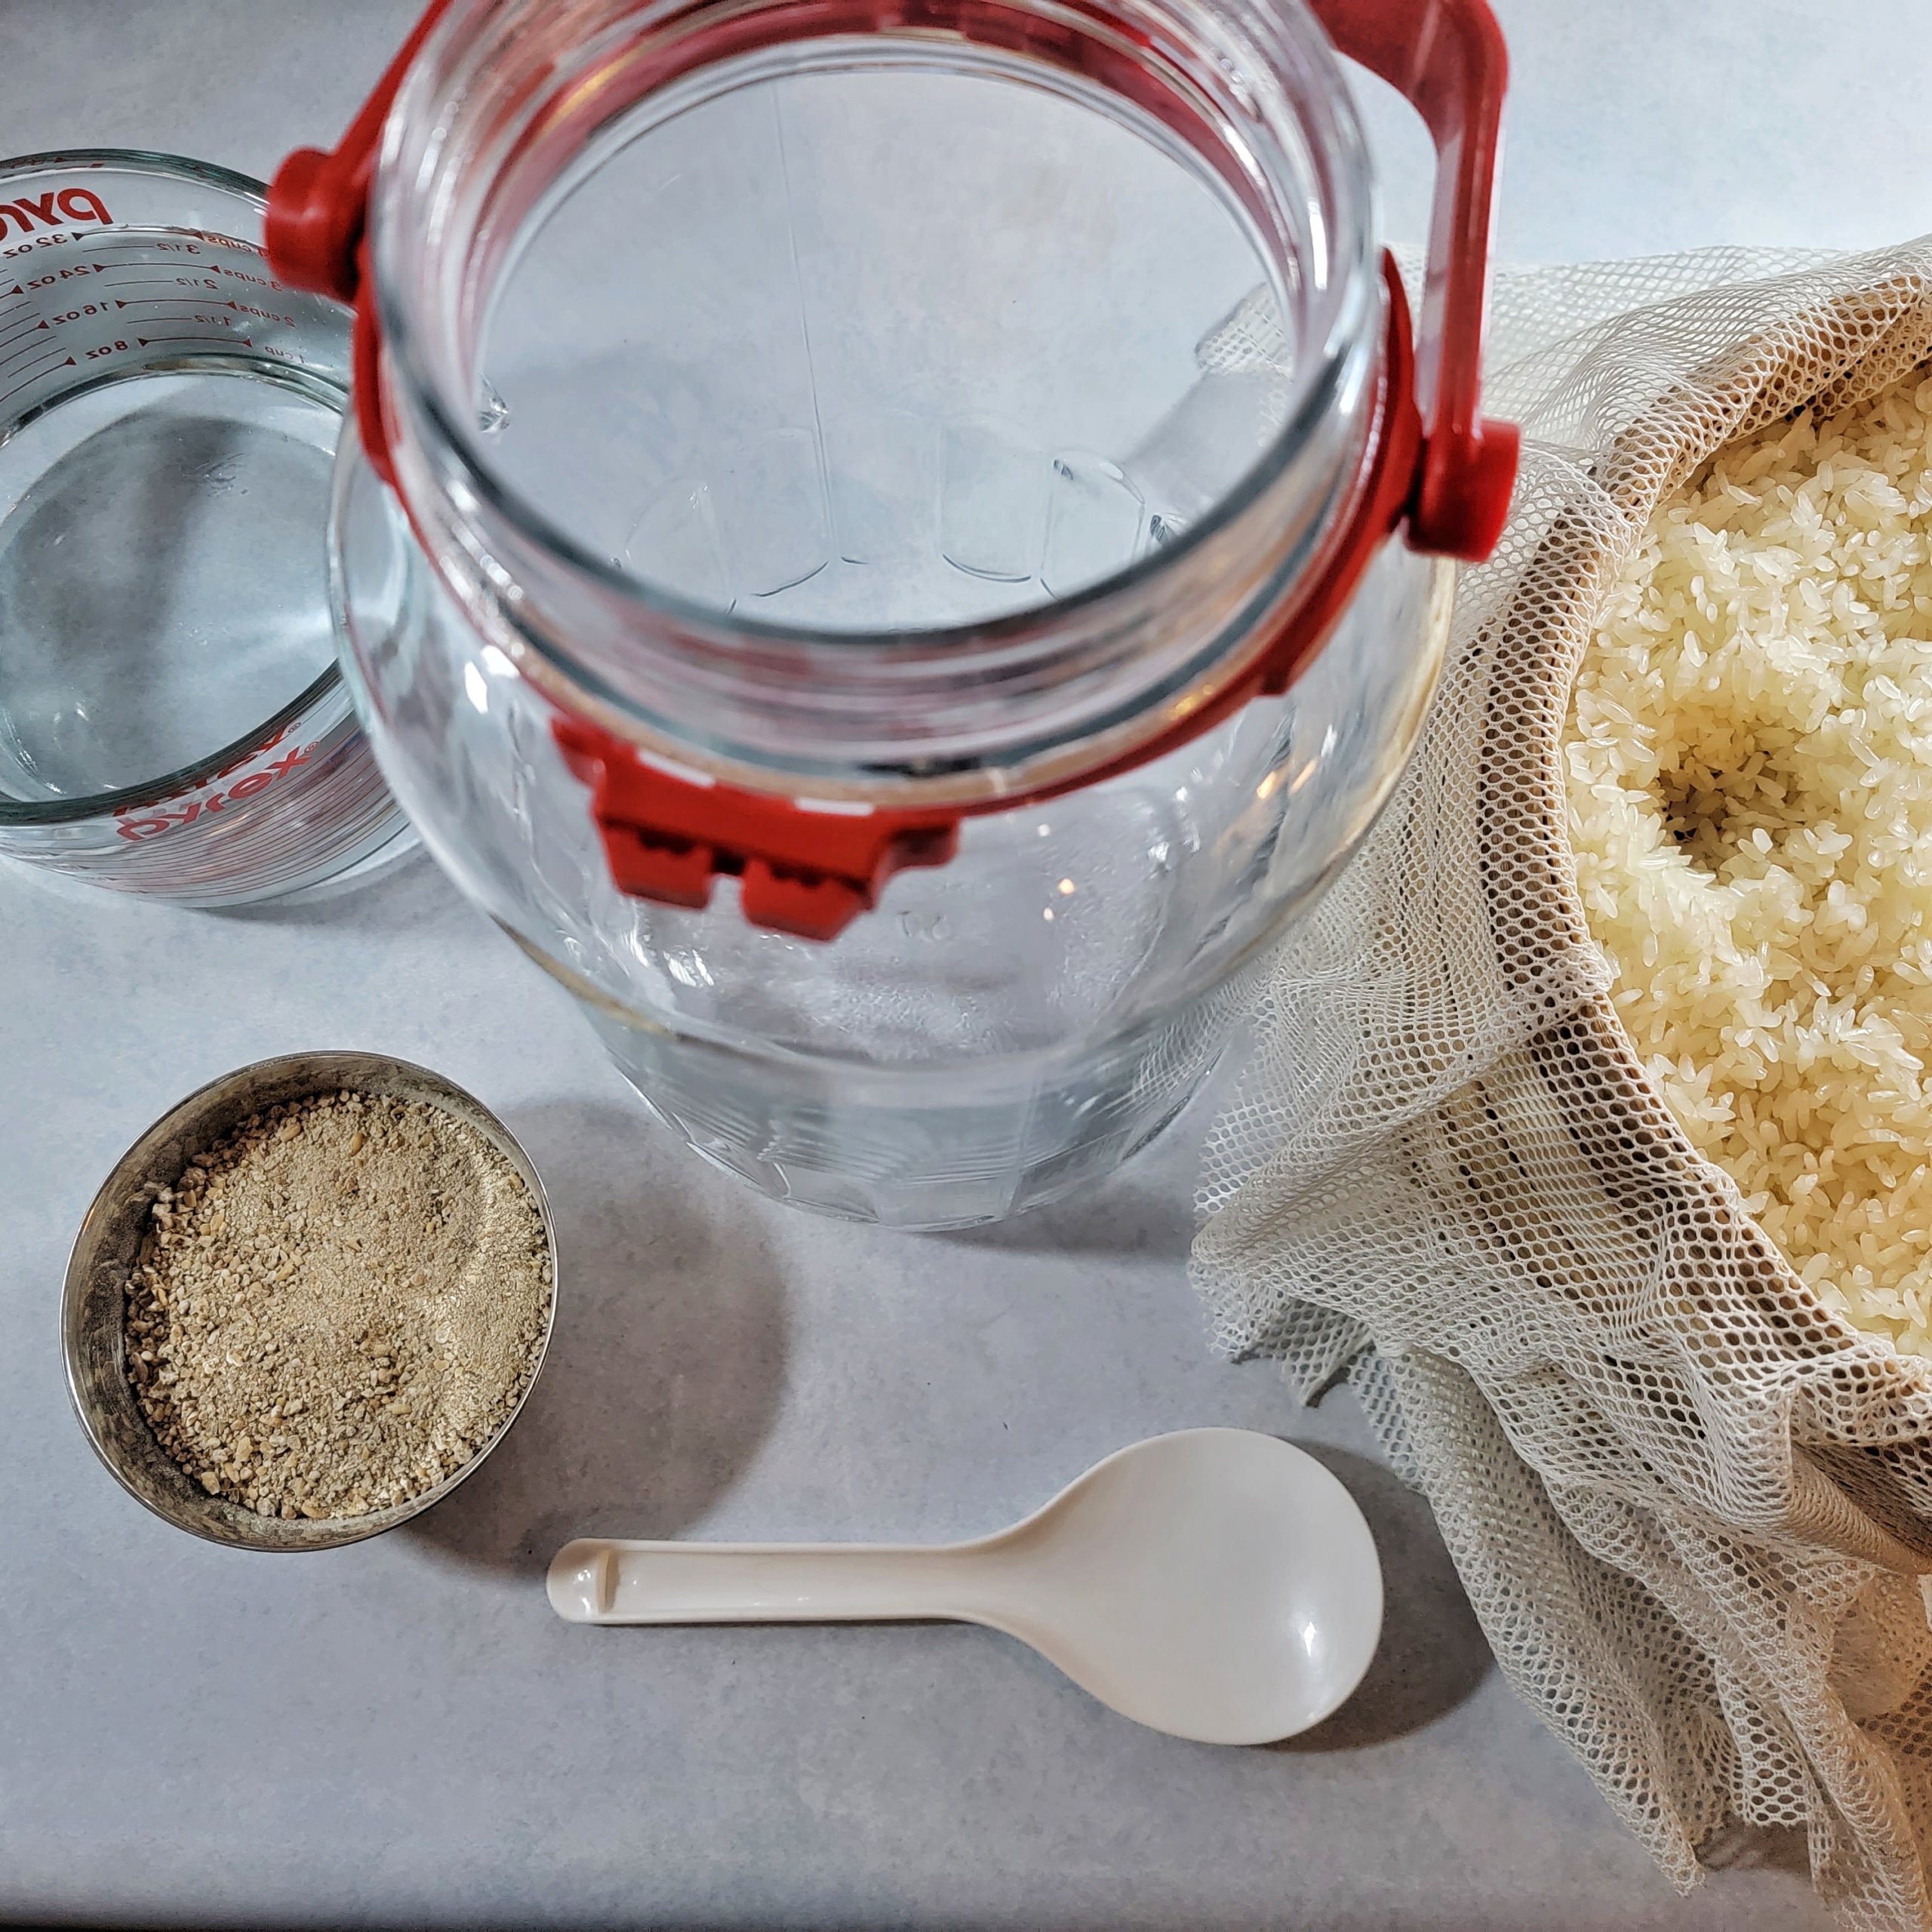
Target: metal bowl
93, 1305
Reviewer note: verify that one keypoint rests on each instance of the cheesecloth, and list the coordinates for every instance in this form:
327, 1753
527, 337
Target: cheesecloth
1689, 1507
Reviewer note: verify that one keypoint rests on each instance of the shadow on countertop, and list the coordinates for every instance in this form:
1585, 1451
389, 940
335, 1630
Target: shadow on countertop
1124, 1216
667, 1371
1740, 1847
664, 1371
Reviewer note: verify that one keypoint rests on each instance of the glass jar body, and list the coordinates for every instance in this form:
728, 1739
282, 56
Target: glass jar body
943, 413
999, 1029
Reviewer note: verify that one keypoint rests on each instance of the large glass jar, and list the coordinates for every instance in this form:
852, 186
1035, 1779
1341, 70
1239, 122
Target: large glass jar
840, 490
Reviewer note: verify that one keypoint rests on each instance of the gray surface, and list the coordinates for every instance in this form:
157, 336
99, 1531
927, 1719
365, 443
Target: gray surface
401, 1733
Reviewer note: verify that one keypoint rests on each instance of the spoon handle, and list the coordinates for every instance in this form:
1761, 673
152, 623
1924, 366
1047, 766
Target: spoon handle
595, 1581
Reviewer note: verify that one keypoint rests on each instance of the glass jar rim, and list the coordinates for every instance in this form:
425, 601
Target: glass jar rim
1251, 95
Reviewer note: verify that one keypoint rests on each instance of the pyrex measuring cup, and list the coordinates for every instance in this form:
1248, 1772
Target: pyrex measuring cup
171, 719
875, 545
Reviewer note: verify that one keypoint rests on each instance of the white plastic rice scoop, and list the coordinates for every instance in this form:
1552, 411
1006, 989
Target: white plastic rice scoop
1216, 1583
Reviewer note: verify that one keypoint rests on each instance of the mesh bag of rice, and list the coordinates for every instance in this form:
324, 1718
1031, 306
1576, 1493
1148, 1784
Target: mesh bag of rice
1599, 1163
1750, 770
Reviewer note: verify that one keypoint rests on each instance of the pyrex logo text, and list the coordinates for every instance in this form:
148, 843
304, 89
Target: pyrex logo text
50, 209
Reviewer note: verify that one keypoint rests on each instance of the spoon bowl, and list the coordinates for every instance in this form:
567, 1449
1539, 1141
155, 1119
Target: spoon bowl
1216, 1584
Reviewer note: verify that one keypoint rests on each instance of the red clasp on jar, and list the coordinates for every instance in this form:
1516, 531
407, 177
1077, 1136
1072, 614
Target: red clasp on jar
1434, 463
809, 870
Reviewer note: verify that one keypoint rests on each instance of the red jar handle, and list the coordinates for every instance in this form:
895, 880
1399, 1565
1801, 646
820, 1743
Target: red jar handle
1446, 58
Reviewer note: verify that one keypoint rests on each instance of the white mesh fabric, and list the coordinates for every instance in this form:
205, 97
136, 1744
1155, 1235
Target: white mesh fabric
1689, 1506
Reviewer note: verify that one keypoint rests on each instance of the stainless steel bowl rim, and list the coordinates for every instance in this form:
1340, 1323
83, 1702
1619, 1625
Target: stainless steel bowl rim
327, 1072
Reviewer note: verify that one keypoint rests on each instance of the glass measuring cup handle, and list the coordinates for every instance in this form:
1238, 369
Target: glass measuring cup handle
1446, 58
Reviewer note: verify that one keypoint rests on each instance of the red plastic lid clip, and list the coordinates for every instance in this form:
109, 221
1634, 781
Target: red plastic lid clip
802, 871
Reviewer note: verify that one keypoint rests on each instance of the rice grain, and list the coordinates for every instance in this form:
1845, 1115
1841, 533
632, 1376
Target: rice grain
1749, 770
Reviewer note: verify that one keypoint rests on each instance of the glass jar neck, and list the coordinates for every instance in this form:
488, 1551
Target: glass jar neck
491, 132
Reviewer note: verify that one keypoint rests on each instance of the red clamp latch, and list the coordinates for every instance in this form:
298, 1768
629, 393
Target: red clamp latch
1446, 58
318, 204
802, 870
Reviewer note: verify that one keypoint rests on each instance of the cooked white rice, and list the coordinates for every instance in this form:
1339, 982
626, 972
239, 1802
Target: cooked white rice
1750, 781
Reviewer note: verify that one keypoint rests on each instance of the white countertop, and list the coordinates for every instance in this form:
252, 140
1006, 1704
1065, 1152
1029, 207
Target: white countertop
401, 1733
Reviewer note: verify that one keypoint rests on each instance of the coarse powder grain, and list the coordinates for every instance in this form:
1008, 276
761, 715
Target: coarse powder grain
337, 1305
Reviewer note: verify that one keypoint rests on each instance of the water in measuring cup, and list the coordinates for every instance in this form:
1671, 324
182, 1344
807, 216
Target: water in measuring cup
163, 495
878, 349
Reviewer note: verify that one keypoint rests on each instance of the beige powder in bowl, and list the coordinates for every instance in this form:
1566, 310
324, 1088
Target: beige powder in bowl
337, 1305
